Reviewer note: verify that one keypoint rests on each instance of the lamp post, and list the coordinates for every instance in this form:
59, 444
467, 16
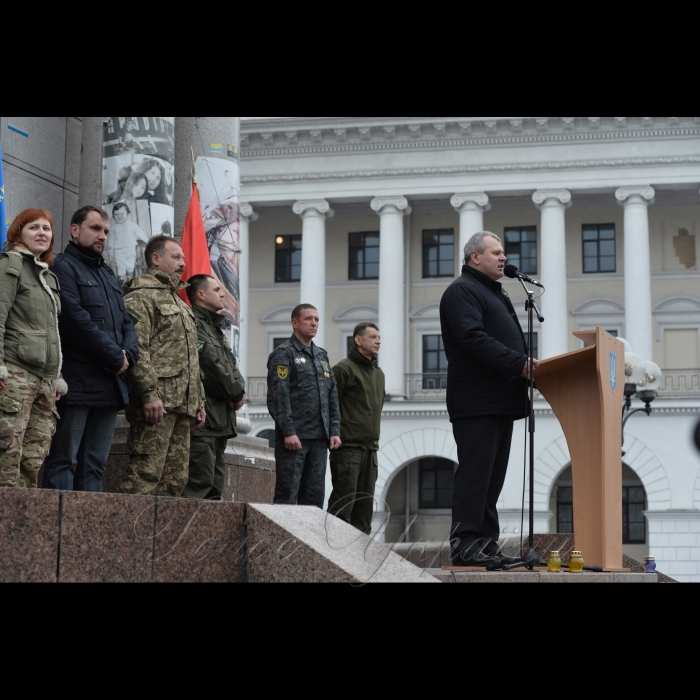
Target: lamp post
643, 381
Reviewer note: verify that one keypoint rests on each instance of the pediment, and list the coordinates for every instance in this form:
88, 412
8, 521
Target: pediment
600, 306
678, 305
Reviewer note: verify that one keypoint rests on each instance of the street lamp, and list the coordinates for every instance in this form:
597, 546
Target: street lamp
643, 381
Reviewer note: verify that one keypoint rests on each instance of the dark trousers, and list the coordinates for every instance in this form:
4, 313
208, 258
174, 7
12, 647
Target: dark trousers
207, 468
301, 475
355, 472
483, 445
80, 448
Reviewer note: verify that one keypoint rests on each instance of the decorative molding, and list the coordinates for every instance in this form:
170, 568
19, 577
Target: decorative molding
474, 201
547, 198
313, 208
385, 205
471, 169
677, 312
635, 195
294, 136
247, 212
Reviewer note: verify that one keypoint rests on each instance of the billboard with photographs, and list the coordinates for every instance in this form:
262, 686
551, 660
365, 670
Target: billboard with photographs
220, 190
138, 185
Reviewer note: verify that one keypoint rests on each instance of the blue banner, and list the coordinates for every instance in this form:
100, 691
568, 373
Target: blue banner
3, 213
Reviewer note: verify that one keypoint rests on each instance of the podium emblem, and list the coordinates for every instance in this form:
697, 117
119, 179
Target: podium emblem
613, 371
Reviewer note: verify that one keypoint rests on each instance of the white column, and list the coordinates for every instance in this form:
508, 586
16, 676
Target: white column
552, 245
392, 311
638, 310
471, 207
313, 258
247, 215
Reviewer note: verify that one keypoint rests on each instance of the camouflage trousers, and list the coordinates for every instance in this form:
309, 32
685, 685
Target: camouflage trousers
160, 455
301, 476
27, 423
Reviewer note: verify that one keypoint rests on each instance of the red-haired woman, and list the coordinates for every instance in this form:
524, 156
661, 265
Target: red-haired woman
30, 349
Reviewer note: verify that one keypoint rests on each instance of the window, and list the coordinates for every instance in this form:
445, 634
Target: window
599, 249
535, 345
634, 525
521, 248
436, 484
434, 363
438, 253
276, 342
565, 510
364, 256
288, 259
351, 343
634, 504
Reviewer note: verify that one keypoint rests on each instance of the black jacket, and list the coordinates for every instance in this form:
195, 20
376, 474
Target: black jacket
361, 388
486, 349
302, 396
222, 379
95, 328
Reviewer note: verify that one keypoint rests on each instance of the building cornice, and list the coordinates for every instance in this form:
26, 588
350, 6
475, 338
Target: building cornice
306, 136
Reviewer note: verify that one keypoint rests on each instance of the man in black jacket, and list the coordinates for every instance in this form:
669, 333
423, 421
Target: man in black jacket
486, 393
99, 346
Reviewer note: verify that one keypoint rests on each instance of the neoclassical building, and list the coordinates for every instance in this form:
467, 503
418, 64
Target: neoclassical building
366, 218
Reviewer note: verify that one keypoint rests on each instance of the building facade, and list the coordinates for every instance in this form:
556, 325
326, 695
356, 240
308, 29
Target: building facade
366, 218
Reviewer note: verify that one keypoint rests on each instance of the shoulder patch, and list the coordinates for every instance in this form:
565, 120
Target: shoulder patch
200, 346
283, 373
131, 297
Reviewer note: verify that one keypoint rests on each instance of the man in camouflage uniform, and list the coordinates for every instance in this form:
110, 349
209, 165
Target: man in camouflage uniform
225, 390
166, 384
303, 402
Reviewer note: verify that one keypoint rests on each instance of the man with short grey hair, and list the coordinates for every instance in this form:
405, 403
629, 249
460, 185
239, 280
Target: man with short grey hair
488, 362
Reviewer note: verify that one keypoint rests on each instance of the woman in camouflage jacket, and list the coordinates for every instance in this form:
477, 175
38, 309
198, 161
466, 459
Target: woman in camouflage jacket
30, 349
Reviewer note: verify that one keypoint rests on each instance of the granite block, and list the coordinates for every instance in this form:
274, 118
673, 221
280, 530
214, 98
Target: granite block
425, 555
107, 538
288, 544
230, 482
442, 576
29, 535
577, 578
497, 577
199, 542
636, 578
255, 486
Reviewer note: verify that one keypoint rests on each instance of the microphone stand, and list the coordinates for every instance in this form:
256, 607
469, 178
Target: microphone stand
531, 307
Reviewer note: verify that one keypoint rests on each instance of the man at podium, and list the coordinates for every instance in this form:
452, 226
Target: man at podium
486, 393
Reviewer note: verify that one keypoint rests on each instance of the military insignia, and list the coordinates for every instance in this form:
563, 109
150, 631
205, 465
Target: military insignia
128, 299
298, 360
303, 360
200, 347
283, 373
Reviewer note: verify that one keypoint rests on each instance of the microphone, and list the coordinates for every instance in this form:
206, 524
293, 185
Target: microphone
513, 273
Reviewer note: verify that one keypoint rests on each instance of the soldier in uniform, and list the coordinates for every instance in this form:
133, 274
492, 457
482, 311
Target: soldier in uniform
225, 391
303, 402
166, 385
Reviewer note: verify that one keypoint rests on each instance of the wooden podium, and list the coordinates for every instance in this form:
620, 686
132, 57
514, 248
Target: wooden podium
586, 391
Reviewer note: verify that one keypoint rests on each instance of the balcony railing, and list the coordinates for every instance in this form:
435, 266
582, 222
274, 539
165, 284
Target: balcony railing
680, 384
432, 388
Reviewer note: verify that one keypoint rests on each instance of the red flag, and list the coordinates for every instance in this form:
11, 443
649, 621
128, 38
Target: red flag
194, 244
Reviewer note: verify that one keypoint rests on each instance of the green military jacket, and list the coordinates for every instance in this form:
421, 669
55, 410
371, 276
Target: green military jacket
298, 378
362, 390
168, 366
29, 309
223, 381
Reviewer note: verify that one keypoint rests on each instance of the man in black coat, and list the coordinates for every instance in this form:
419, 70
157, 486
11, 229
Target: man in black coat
99, 346
486, 393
